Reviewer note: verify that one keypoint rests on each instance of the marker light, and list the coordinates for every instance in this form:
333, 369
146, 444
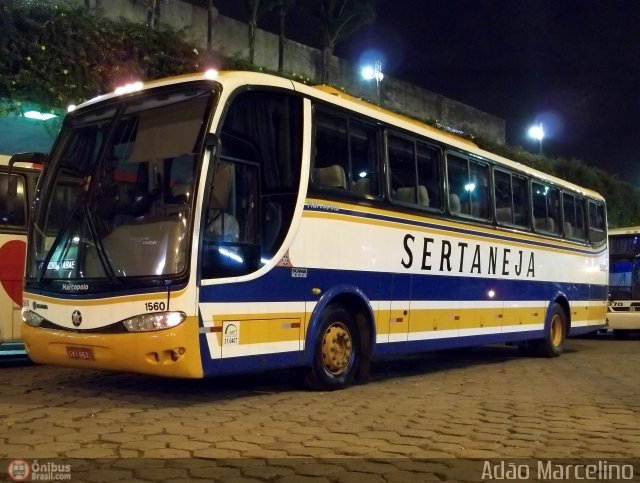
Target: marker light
128, 88
156, 321
211, 74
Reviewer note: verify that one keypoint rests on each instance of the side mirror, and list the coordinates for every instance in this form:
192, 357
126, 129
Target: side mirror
34, 158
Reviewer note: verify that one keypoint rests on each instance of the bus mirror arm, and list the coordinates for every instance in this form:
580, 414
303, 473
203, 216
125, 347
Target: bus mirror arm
34, 158
12, 181
212, 141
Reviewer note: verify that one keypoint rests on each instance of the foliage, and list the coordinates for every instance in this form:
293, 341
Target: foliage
256, 9
54, 55
339, 20
623, 199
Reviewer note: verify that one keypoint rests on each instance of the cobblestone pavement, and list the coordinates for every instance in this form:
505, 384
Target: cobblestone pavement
415, 413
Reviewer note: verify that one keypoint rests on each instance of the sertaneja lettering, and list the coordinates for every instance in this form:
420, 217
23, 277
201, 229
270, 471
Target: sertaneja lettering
436, 255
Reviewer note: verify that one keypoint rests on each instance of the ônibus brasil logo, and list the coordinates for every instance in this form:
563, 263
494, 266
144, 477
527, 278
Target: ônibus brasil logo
23, 470
19, 470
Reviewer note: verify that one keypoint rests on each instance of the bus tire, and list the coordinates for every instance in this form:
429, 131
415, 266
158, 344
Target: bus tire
336, 352
552, 344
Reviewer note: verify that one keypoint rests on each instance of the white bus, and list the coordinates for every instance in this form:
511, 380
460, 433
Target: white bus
624, 281
15, 201
236, 222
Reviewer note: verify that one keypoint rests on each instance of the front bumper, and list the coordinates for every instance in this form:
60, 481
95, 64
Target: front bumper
172, 352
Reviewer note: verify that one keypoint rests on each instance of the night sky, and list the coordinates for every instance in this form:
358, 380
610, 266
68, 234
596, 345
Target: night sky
573, 65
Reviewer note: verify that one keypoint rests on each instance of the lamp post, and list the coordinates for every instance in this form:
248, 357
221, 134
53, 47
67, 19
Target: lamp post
374, 72
537, 132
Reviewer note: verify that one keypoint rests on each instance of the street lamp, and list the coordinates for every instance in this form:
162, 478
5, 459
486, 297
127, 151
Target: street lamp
374, 72
537, 132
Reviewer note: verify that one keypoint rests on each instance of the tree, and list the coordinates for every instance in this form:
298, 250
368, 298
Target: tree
283, 9
209, 25
340, 19
54, 55
153, 13
256, 9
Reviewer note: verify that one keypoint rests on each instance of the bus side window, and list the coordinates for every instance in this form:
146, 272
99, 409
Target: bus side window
579, 229
402, 170
478, 189
503, 197
429, 179
573, 211
331, 161
469, 181
12, 207
597, 222
546, 208
458, 179
363, 145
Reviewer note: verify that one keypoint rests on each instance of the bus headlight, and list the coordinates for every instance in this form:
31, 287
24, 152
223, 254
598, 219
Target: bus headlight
156, 321
31, 318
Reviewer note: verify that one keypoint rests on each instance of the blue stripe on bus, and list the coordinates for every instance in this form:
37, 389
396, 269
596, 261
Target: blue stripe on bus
464, 231
279, 285
263, 362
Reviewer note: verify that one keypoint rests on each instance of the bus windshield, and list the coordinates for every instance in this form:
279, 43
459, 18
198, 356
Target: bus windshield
117, 199
624, 279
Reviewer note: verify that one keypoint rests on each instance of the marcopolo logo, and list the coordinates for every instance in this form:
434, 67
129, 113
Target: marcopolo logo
74, 287
21, 470
76, 318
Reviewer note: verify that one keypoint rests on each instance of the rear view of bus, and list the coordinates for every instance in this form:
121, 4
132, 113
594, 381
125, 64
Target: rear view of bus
624, 281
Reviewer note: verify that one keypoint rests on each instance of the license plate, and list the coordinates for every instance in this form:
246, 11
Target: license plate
80, 353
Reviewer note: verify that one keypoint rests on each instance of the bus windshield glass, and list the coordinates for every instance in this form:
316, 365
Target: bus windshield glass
117, 198
624, 279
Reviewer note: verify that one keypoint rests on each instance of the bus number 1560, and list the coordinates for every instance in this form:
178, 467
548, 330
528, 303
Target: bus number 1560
154, 306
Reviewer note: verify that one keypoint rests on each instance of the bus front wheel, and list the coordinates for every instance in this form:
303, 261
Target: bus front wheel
552, 344
336, 353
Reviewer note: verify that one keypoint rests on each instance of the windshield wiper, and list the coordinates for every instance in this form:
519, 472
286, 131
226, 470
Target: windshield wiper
102, 254
108, 269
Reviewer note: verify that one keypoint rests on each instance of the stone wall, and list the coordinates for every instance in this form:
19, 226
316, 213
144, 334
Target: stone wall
230, 39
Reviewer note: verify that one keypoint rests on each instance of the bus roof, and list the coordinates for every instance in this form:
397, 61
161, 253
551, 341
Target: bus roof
233, 79
630, 230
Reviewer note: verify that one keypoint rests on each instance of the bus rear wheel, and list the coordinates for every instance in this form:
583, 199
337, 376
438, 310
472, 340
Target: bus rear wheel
552, 344
336, 354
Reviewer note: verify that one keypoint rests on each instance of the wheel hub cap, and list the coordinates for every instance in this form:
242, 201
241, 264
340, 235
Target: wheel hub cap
336, 348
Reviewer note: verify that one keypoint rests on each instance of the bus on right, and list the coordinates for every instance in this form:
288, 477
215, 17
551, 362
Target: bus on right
624, 281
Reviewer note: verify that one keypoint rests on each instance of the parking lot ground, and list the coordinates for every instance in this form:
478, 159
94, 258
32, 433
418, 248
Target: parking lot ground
439, 416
